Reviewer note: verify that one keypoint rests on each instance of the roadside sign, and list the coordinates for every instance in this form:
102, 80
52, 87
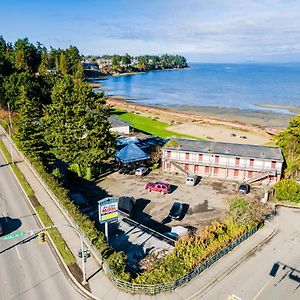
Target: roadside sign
14, 235
108, 210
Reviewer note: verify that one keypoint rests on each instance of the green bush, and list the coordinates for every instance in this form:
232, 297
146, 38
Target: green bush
287, 190
190, 251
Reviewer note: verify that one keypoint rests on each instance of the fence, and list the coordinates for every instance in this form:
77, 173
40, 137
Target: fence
171, 286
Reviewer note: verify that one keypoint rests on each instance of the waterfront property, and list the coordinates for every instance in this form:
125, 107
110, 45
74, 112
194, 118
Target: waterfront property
119, 126
239, 162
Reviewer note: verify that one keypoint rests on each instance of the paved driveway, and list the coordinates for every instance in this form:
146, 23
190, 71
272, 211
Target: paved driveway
251, 281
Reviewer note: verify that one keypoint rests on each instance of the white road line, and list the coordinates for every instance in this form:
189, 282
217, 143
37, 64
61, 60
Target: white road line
261, 290
18, 252
5, 215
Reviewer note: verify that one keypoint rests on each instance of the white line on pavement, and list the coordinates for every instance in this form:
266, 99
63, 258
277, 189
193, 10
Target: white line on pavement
261, 290
18, 252
5, 215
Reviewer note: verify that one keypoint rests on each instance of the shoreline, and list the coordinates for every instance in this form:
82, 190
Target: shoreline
231, 118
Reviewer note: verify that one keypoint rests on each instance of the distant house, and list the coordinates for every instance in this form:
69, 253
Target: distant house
90, 66
247, 163
119, 126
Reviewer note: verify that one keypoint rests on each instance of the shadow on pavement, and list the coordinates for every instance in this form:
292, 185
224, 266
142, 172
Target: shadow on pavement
9, 224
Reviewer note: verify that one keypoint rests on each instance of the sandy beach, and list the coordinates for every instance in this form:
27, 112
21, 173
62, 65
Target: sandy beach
212, 123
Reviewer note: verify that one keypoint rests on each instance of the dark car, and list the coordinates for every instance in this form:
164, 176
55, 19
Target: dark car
176, 211
162, 187
126, 204
244, 188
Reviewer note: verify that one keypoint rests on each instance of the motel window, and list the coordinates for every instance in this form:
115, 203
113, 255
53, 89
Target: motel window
237, 161
187, 156
200, 157
236, 173
186, 167
251, 162
168, 153
168, 166
206, 169
250, 174
197, 168
273, 165
216, 171
217, 158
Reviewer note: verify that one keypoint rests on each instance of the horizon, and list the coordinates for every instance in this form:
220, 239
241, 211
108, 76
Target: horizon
217, 32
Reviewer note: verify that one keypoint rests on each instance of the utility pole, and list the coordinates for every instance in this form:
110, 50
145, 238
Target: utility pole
10, 134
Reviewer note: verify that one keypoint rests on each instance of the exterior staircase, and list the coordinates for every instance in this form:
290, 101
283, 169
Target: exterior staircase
172, 162
260, 175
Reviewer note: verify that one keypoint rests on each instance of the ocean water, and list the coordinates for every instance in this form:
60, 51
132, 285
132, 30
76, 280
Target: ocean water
242, 86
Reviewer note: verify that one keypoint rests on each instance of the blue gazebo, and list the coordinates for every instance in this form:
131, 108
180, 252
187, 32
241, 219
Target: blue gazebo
131, 153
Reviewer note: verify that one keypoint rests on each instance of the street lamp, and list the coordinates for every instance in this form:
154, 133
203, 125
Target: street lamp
10, 134
56, 226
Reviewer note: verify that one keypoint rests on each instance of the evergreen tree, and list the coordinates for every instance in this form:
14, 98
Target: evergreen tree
289, 141
43, 67
78, 127
79, 72
29, 128
62, 65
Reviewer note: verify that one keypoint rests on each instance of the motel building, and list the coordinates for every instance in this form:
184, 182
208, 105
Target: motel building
247, 163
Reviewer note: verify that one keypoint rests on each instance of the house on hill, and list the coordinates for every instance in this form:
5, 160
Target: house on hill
247, 163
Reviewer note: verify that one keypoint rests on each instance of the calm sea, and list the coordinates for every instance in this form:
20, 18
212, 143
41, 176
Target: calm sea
242, 86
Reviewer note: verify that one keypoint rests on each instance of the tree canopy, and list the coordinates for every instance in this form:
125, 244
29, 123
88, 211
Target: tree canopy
289, 142
59, 117
77, 128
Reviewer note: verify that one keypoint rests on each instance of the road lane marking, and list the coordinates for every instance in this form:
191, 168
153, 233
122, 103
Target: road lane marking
18, 252
261, 290
5, 215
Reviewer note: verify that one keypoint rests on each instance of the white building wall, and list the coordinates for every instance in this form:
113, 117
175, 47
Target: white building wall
121, 129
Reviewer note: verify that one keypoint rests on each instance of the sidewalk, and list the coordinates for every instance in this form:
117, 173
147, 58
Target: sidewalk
101, 286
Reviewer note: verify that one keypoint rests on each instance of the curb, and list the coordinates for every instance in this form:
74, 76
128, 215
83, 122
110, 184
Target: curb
65, 269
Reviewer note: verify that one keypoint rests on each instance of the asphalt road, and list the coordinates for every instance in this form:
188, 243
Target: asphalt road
252, 279
28, 270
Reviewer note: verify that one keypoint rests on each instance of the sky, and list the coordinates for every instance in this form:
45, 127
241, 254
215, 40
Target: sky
200, 30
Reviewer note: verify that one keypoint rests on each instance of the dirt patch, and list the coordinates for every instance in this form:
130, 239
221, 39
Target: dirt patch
34, 201
77, 273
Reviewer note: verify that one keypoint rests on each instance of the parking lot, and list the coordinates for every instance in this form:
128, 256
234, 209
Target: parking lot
147, 230
206, 201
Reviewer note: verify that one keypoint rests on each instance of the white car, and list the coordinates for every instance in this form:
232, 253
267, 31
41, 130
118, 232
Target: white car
141, 171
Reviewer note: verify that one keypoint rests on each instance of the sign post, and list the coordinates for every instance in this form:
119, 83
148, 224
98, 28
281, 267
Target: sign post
108, 212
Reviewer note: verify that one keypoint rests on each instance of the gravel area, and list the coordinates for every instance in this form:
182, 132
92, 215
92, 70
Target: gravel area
206, 200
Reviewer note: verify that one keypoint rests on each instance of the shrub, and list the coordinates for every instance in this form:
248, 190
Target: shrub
287, 190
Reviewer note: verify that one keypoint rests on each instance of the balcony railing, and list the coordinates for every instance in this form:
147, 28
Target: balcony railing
240, 166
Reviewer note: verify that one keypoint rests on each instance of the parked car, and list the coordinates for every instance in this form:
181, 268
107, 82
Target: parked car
126, 204
141, 171
244, 188
176, 211
126, 170
129, 171
172, 235
191, 179
161, 187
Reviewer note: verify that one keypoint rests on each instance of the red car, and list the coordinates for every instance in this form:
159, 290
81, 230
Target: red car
161, 187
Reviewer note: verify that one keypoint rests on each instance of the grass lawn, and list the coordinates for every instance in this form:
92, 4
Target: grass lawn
150, 126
